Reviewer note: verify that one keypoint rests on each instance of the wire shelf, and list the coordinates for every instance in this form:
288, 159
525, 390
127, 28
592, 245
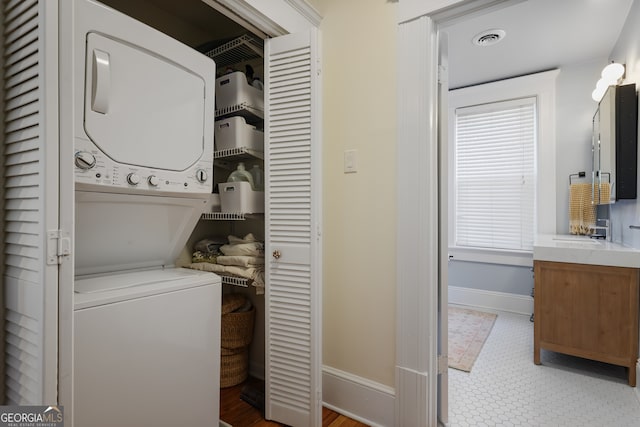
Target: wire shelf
241, 49
224, 216
235, 281
229, 216
251, 114
239, 153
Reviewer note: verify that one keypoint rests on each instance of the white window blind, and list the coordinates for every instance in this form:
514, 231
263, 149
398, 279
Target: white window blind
495, 175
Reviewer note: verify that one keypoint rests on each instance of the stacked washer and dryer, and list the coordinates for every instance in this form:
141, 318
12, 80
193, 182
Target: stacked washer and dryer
146, 334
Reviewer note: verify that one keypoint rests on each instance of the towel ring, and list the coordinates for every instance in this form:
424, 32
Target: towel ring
578, 175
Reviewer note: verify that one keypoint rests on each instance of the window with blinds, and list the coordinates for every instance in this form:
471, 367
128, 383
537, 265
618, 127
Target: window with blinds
495, 175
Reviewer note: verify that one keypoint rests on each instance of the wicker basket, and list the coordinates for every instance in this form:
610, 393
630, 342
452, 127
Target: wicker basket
237, 329
234, 366
232, 302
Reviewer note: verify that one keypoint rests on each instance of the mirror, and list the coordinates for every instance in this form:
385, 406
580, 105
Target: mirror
615, 145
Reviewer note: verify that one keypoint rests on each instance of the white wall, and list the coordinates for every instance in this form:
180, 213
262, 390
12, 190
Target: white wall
574, 115
627, 51
359, 97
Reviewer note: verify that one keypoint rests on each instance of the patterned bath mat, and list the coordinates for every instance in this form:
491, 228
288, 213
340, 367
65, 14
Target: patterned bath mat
468, 330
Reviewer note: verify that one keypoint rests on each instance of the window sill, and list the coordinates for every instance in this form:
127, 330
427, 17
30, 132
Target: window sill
492, 256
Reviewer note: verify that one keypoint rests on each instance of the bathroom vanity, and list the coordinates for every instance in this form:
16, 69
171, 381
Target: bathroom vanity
586, 300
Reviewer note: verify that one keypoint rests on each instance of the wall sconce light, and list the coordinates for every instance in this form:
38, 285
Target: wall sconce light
611, 75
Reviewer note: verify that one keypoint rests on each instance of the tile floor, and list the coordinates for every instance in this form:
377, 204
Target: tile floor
505, 388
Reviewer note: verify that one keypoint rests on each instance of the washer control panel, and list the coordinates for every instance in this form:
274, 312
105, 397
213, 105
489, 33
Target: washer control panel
94, 168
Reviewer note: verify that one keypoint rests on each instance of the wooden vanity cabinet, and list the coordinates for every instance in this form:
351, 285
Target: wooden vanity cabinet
589, 311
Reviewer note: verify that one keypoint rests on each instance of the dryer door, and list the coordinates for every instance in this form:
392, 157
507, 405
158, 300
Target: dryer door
141, 108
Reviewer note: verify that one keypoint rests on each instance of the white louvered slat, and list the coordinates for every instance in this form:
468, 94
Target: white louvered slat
22, 169
19, 37
21, 111
26, 28
21, 193
18, 10
26, 62
21, 181
19, 101
21, 357
18, 205
29, 377
22, 251
29, 48
21, 89
293, 364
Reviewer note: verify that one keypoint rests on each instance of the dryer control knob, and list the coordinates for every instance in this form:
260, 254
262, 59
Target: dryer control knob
133, 178
85, 160
201, 175
153, 180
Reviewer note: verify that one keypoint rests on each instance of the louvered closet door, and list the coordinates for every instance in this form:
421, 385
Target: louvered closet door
30, 201
293, 324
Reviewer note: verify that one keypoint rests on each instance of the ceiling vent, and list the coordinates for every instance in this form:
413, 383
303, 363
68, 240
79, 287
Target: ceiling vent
489, 37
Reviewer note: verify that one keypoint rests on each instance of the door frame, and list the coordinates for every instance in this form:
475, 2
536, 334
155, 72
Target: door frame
421, 232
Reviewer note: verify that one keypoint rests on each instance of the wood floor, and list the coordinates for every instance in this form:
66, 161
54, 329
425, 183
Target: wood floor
239, 413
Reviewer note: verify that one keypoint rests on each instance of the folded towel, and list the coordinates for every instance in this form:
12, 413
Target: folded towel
582, 212
241, 260
254, 249
246, 239
602, 193
199, 256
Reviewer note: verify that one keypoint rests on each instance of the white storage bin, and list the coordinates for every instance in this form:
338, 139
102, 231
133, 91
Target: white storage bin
233, 89
239, 197
234, 132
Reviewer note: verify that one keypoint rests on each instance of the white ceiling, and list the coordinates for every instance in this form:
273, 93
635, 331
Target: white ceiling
540, 35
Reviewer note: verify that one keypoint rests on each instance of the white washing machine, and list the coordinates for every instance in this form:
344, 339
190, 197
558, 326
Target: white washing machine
147, 349
146, 333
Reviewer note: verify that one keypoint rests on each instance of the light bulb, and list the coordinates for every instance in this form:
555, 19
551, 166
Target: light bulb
603, 84
613, 72
598, 93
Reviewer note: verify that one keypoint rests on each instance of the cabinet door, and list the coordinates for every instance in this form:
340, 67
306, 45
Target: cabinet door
293, 309
30, 202
587, 311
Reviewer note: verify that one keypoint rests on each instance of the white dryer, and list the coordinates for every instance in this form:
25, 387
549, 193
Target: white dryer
146, 333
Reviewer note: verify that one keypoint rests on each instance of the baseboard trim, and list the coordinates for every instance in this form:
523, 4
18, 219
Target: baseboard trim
501, 301
358, 398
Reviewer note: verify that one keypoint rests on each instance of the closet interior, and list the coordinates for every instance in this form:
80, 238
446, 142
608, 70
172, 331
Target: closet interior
236, 207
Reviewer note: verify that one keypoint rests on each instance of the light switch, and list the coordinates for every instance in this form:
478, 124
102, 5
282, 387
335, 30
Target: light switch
350, 161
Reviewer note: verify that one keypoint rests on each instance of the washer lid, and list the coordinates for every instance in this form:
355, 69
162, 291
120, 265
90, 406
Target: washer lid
141, 108
117, 232
111, 282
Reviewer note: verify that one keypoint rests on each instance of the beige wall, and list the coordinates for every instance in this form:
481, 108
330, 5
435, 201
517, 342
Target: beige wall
359, 96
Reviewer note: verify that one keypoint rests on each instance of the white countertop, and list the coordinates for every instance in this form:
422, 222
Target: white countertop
584, 250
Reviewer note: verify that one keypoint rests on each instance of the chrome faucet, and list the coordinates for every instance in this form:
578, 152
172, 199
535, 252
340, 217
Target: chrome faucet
606, 227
